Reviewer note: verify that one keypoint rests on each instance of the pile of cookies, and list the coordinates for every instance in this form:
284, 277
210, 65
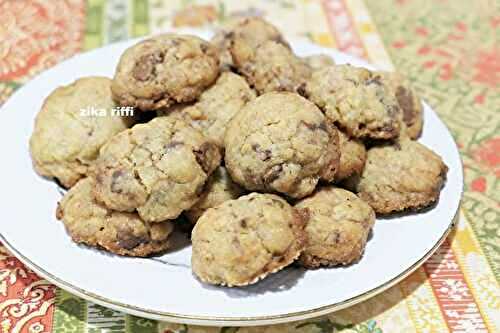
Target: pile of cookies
273, 158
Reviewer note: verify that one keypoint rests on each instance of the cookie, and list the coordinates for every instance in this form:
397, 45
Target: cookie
270, 66
216, 106
67, 135
251, 31
219, 188
352, 157
164, 70
337, 229
90, 223
281, 142
406, 175
409, 102
356, 101
158, 168
318, 61
242, 241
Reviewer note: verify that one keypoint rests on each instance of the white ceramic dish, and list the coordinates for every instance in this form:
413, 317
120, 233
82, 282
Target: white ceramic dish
164, 287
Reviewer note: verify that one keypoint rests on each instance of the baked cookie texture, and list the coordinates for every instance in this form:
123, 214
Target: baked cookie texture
219, 188
352, 157
270, 66
281, 142
338, 227
356, 100
405, 175
216, 106
409, 102
158, 168
90, 223
65, 142
164, 70
318, 61
242, 241
249, 31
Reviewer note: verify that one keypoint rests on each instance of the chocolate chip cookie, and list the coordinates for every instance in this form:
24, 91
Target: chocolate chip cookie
352, 157
219, 188
216, 106
95, 225
249, 31
74, 122
158, 168
409, 102
281, 142
402, 176
164, 70
270, 66
356, 100
337, 229
242, 241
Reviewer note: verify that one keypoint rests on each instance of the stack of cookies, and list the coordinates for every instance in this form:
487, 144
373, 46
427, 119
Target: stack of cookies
273, 158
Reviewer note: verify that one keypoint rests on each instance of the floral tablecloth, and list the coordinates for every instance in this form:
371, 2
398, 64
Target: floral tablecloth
449, 48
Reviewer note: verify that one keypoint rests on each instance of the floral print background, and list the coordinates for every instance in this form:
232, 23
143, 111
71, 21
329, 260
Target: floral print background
450, 49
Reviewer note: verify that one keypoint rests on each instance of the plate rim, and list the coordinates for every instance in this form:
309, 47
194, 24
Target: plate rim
231, 321
246, 320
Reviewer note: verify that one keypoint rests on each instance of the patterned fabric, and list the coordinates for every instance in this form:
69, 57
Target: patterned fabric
449, 49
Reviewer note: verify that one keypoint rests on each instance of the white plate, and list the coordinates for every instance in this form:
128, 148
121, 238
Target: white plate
154, 289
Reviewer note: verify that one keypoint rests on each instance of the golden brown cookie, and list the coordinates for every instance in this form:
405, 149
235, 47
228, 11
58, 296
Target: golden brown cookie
251, 31
158, 168
74, 122
352, 157
281, 142
216, 106
405, 175
356, 100
164, 70
242, 241
270, 66
95, 225
219, 188
409, 102
337, 229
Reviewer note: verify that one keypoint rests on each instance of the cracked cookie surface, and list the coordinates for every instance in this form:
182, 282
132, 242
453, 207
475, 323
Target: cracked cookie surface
216, 106
352, 157
281, 142
65, 141
90, 223
219, 188
406, 175
250, 32
241, 241
164, 70
409, 102
158, 168
356, 100
338, 227
270, 66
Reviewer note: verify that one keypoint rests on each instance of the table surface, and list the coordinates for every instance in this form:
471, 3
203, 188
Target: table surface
450, 49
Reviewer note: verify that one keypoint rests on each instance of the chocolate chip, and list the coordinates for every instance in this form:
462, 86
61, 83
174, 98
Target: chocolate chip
273, 173
405, 100
144, 68
201, 156
263, 155
243, 223
301, 89
115, 176
128, 241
